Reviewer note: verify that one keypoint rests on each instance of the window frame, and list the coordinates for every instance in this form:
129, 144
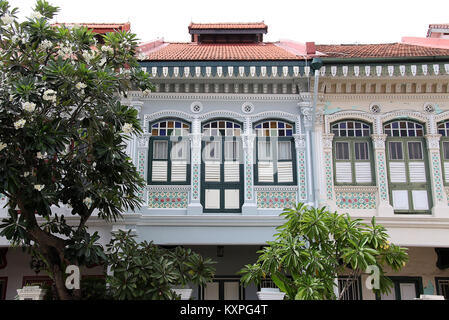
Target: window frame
170, 141
408, 186
352, 140
444, 138
397, 280
274, 152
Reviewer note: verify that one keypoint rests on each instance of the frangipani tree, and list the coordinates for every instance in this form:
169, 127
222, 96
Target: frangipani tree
314, 246
62, 135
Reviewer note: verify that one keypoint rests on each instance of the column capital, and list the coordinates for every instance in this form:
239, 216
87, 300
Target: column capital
433, 141
379, 140
327, 140
300, 141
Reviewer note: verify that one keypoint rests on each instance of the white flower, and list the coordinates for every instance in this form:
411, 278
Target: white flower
146, 92
102, 61
46, 44
80, 86
26, 174
127, 127
7, 19
39, 187
36, 15
2, 146
29, 106
49, 95
65, 50
88, 55
107, 49
87, 201
40, 155
141, 56
19, 123
14, 38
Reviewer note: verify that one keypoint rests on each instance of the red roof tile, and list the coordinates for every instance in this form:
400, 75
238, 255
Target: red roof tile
250, 51
384, 50
248, 25
439, 26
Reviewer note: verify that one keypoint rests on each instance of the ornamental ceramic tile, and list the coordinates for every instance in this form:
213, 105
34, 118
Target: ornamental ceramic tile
356, 200
167, 199
276, 200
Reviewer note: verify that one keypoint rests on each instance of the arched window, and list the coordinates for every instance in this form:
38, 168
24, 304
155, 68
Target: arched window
407, 167
443, 129
222, 166
353, 154
275, 153
169, 156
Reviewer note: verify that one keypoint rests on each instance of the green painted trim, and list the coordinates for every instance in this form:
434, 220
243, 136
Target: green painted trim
409, 186
222, 186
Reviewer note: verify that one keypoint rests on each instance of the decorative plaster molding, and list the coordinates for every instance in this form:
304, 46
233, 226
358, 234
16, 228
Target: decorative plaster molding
168, 114
168, 188
356, 188
275, 188
379, 140
433, 141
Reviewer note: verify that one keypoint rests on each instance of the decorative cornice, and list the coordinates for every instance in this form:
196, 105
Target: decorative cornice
168, 188
275, 188
356, 188
386, 96
215, 96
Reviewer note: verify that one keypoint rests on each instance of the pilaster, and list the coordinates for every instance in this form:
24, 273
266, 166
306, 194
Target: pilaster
329, 171
440, 207
195, 206
248, 137
384, 208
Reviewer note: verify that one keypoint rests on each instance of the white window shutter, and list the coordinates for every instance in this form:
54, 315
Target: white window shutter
212, 171
417, 172
420, 201
446, 171
232, 198
397, 172
265, 171
179, 171
343, 172
363, 172
212, 198
231, 171
400, 199
285, 172
159, 171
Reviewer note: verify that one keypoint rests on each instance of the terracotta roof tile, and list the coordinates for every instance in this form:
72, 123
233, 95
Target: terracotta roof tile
250, 25
193, 51
384, 50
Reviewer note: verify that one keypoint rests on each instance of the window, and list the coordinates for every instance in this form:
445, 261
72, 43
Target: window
407, 167
169, 157
222, 167
275, 153
443, 287
404, 288
3, 284
352, 153
353, 290
443, 129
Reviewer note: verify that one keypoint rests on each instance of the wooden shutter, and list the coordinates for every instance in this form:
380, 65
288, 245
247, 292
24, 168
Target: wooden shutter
212, 199
285, 171
363, 172
159, 171
343, 172
420, 200
400, 199
231, 171
265, 171
232, 198
397, 172
179, 171
212, 171
417, 172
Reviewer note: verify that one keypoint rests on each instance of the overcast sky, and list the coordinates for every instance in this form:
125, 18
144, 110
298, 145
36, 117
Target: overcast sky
322, 21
